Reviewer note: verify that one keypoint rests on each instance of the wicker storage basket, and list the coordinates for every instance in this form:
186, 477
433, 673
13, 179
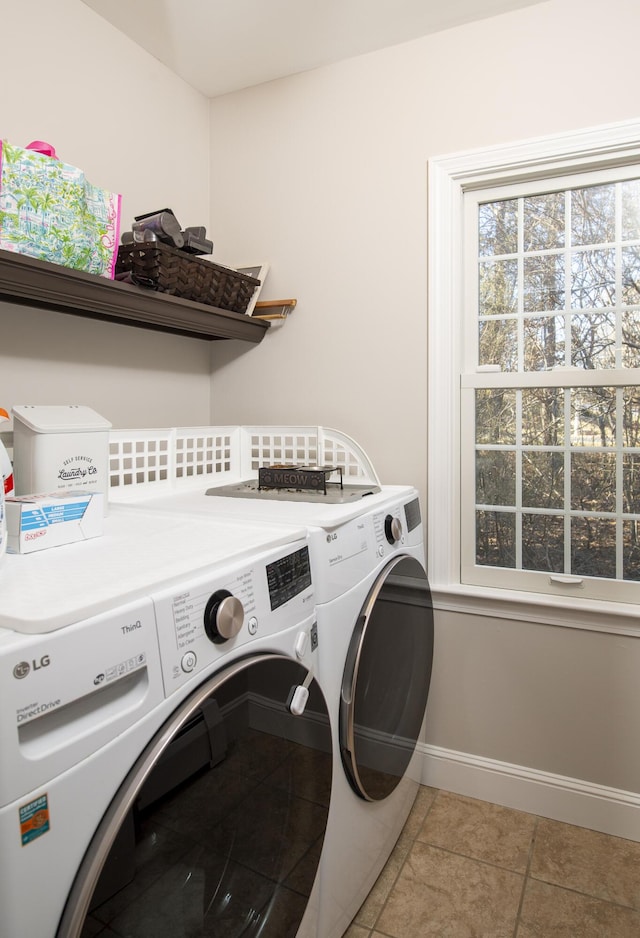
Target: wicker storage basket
161, 267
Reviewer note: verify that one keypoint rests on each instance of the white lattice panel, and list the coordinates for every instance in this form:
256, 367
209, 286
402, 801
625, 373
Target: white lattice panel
205, 452
140, 458
339, 451
291, 446
148, 462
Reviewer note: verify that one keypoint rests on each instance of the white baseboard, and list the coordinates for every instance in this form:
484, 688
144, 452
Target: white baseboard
571, 800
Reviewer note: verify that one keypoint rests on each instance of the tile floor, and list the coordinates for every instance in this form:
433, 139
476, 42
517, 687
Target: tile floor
464, 868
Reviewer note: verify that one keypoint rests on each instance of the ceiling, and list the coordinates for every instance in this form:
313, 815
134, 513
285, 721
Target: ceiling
218, 46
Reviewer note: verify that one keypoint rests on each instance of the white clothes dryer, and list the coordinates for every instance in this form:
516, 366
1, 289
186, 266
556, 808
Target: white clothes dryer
167, 761
375, 622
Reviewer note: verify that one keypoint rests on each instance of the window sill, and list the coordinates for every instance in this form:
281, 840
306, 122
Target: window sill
615, 618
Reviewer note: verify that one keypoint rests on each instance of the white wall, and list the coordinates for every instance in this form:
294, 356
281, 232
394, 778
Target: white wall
556, 699
110, 108
324, 174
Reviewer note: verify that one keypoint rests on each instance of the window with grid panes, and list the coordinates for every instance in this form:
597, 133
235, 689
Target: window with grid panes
550, 394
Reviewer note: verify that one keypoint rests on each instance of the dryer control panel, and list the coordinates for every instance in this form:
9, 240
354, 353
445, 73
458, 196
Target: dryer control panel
346, 554
218, 612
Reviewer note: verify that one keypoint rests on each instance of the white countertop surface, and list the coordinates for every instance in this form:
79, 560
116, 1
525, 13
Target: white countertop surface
140, 551
313, 513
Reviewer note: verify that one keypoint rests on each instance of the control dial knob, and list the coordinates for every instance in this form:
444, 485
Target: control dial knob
392, 529
223, 616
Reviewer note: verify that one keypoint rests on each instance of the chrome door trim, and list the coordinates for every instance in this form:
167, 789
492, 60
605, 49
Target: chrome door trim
352, 669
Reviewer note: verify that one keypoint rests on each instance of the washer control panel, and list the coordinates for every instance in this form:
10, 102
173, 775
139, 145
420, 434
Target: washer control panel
215, 613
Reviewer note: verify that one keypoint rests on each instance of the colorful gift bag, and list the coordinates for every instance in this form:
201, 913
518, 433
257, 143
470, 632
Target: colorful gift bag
50, 211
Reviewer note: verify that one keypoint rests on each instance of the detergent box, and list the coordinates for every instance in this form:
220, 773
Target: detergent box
60, 447
35, 522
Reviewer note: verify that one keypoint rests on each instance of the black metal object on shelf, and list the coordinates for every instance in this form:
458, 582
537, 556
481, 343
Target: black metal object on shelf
306, 478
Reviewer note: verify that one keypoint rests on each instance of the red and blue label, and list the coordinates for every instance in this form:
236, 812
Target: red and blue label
34, 819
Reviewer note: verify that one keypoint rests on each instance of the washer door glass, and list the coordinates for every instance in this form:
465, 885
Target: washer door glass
386, 679
218, 828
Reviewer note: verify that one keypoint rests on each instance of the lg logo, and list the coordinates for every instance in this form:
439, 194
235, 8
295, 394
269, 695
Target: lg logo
25, 667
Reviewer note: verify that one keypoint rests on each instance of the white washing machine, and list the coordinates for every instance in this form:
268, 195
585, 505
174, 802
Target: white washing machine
375, 630
166, 753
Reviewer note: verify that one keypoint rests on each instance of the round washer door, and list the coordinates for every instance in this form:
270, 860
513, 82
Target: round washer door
386, 679
218, 827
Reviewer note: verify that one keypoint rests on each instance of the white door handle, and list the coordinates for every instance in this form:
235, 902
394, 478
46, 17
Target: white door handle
566, 580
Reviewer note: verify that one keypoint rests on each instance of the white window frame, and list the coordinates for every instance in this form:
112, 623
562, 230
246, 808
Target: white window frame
449, 177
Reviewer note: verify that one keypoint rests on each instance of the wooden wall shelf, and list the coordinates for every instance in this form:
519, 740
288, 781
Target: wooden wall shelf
30, 282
